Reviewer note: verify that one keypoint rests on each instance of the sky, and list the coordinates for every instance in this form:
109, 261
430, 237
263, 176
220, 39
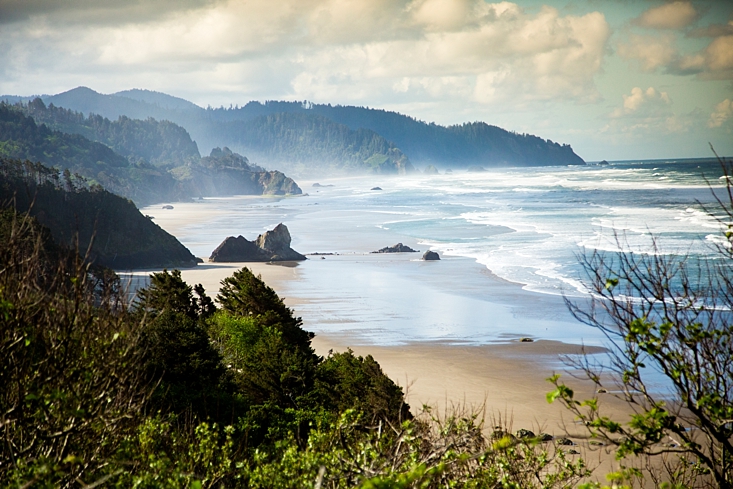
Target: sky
616, 79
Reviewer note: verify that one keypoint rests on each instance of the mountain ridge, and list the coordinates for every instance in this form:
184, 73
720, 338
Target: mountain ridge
423, 143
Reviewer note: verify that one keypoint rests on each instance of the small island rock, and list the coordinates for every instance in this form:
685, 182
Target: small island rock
398, 248
376, 188
430, 256
271, 246
167, 207
431, 170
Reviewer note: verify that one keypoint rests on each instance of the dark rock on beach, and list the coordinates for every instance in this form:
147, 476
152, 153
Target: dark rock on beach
430, 256
271, 246
398, 248
376, 188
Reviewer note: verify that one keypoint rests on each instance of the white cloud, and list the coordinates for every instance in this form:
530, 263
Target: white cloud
675, 15
646, 113
329, 50
723, 112
719, 54
652, 52
643, 103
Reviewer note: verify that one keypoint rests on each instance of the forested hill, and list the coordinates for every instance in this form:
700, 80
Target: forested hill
312, 142
21, 138
121, 237
161, 143
463, 145
179, 173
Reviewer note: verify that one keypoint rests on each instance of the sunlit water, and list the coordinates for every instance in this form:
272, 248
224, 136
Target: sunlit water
524, 226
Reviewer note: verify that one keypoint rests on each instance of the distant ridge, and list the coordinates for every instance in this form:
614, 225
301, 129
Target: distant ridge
162, 100
422, 143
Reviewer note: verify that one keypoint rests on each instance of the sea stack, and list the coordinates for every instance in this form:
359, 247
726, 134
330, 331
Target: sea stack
430, 256
273, 245
398, 248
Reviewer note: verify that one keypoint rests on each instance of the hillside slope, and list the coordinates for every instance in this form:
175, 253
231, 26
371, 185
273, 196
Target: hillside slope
120, 236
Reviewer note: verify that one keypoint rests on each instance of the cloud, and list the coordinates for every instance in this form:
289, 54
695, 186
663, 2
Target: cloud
411, 51
95, 12
723, 112
647, 113
655, 52
675, 15
652, 52
644, 103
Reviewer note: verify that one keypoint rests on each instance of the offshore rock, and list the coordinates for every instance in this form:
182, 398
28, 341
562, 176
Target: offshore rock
430, 256
398, 248
271, 246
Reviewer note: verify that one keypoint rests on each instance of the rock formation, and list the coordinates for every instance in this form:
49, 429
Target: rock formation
430, 255
271, 246
398, 248
376, 188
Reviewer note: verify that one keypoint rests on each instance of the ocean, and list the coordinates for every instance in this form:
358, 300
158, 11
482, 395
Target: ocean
509, 240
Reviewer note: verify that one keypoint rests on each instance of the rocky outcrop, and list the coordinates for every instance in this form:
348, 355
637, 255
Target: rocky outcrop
227, 173
271, 246
431, 170
398, 248
430, 256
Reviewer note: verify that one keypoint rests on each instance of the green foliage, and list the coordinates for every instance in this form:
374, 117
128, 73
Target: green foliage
179, 353
265, 366
71, 378
244, 294
346, 381
174, 395
168, 292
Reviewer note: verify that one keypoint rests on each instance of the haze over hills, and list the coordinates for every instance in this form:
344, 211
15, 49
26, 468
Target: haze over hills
326, 136
147, 161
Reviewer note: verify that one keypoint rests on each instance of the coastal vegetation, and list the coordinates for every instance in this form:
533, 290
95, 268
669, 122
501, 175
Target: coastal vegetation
176, 390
